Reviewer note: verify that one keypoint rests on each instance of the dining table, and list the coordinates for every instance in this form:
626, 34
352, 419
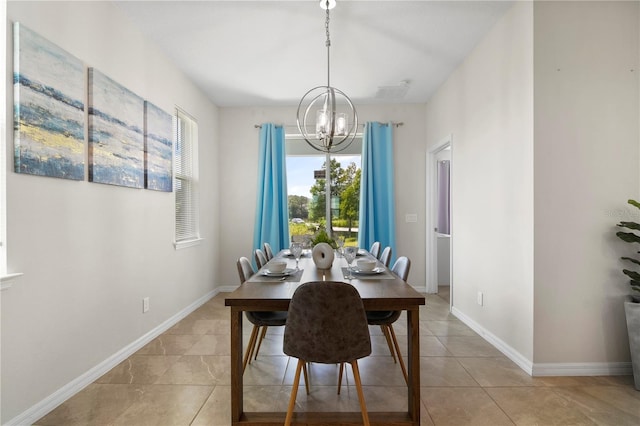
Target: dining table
380, 290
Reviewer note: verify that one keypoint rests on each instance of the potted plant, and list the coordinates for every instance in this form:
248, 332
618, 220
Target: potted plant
322, 237
632, 302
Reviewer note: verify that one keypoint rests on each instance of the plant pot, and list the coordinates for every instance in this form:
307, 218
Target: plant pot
632, 312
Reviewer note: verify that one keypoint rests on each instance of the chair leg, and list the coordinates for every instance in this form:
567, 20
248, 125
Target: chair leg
340, 376
306, 377
264, 332
253, 345
385, 331
363, 405
395, 343
294, 393
252, 342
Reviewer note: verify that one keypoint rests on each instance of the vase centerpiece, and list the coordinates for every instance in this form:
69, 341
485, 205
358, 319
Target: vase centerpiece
323, 247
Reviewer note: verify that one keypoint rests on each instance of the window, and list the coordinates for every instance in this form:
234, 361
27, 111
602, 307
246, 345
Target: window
306, 187
185, 182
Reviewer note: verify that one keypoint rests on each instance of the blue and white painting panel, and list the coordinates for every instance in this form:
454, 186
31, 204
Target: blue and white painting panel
158, 148
116, 138
48, 87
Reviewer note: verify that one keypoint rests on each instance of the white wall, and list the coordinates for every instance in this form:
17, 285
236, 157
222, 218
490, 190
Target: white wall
91, 252
487, 105
545, 259
586, 167
238, 179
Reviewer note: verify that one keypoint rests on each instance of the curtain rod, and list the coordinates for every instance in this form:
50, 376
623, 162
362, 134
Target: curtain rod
393, 123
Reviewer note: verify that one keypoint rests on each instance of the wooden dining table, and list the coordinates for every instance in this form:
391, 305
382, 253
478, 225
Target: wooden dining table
379, 292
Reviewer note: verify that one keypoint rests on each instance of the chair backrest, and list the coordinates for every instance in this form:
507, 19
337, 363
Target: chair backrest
375, 249
245, 271
385, 257
327, 324
401, 267
261, 259
267, 251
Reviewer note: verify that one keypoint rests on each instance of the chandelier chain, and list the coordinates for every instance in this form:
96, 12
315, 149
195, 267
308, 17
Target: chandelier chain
328, 44
326, 26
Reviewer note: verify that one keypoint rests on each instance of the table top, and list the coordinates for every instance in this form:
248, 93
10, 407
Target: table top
383, 291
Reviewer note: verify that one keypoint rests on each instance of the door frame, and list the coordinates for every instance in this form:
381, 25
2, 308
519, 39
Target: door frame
431, 237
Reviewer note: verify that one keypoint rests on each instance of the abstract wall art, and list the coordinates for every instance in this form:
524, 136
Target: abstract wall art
116, 133
158, 148
48, 108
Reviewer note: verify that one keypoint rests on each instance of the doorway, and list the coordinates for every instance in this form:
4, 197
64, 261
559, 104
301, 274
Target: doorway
439, 276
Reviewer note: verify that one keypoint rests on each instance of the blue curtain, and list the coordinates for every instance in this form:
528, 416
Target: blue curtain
377, 195
272, 213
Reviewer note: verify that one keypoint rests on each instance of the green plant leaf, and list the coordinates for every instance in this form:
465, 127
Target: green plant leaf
632, 274
629, 225
323, 237
630, 259
628, 237
634, 203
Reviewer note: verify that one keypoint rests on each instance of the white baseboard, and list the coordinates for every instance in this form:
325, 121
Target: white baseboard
43, 407
507, 350
547, 369
583, 369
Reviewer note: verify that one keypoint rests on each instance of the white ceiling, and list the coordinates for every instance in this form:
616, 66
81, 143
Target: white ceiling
260, 53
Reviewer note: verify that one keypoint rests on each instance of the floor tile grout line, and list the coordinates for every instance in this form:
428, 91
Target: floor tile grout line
512, 420
213, 388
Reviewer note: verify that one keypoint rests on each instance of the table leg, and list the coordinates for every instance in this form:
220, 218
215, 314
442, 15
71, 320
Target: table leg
413, 338
236, 365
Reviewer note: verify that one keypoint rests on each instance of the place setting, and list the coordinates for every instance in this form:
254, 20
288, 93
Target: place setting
277, 270
364, 268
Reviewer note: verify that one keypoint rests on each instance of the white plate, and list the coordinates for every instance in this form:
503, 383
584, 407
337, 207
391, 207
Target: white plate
287, 253
374, 271
285, 273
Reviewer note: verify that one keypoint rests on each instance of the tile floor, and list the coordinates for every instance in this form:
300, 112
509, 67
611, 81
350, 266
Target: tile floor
182, 378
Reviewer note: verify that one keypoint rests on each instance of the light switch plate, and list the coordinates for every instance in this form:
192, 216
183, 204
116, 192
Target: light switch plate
411, 217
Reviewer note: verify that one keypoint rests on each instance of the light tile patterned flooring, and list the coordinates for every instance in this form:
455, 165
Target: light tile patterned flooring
182, 378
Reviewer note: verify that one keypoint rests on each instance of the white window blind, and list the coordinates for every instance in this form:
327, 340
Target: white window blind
186, 179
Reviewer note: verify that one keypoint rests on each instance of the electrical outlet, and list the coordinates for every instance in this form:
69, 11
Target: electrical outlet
480, 298
145, 305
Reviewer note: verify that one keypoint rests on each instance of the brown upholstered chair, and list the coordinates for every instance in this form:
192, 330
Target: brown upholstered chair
385, 319
327, 324
375, 249
258, 319
261, 258
267, 251
385, 256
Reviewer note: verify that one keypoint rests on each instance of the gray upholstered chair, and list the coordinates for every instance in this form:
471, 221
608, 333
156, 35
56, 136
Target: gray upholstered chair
375, 249
385, 256
385, 319
258, 319
267, 251
326, 324
261, 258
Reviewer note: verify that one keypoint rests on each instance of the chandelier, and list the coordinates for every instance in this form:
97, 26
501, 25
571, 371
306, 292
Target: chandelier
335, 116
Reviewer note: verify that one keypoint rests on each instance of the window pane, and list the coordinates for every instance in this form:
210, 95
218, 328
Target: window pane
306, 180
186, 178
